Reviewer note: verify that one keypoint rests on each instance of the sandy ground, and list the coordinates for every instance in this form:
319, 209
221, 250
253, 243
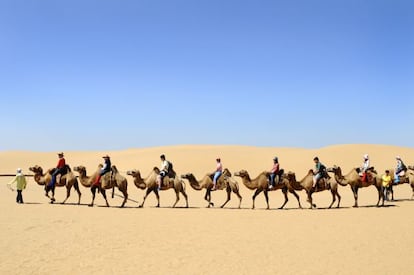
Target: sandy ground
41, 238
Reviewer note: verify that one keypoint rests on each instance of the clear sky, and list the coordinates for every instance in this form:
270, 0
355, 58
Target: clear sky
108, 75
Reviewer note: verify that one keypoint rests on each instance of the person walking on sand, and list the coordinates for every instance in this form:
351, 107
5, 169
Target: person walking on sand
21, 183
386, 183
217, 173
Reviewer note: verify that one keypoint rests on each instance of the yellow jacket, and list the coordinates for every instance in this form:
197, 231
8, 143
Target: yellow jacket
20, 181
386, 180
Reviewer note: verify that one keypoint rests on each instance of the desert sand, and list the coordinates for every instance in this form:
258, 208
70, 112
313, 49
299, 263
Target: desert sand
42, 238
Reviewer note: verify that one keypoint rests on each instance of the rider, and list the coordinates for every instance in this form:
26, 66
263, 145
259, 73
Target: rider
60, 169
217, 173
364, 168
274, 172
165, 165
400, 170
320, 171
105, 169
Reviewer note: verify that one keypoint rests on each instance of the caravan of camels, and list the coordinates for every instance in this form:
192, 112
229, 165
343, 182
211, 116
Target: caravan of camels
107, 176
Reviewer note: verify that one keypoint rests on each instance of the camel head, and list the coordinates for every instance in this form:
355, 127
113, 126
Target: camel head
36, 169
187, 176
134, 173
226, 172
80, 169
410, 167
242, 174
291, 176
336, 170
156, 170
114, 169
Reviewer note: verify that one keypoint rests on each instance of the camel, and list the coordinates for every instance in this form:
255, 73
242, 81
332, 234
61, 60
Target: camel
407, 178
261, 183
68, 180
108, 181
307, 184
150, 183
354, 180
224, 182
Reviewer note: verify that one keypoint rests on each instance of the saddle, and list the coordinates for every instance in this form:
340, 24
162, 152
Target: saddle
278, 177
323, 183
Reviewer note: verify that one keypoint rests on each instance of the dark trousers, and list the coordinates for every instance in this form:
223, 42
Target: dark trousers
54, 176
19, 198
272, 179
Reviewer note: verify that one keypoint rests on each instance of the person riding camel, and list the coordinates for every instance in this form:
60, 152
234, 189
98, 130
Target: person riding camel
217, 173
319, 173
165, 167
274, 172
105, 169
60, 169
364, 169
400, 170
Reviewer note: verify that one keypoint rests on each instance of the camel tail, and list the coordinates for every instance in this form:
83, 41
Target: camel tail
113, 191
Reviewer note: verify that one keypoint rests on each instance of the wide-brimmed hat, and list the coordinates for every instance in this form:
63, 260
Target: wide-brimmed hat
366, 156
398, 157
106, 157
60, 154
19, 170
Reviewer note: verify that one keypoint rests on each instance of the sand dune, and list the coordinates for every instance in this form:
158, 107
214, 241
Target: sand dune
39, 238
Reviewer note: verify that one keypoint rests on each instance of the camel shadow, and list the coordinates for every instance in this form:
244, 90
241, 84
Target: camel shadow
32, 203
400, 200
71, 204
374, 206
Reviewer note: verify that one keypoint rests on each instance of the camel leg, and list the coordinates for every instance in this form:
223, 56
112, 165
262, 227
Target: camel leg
52, 199
158, 196
177, 196
93, 190
207, 197
103, 192
297, 197
380, 196
355, 191
67, 193
125, 193
258, 190
284, 190
333, 192
267, 198
76, 185
228, 190
185, 196
310, 200
145, 197
391, 190
236, 191
339, 198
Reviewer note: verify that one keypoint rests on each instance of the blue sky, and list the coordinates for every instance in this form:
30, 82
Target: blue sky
108, 75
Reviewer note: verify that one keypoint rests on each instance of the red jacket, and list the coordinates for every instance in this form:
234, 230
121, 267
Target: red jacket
61, 163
